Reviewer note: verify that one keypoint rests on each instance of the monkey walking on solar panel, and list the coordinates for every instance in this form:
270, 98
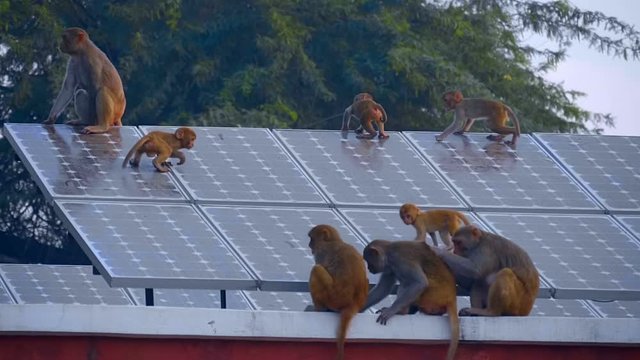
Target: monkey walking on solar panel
466, 111
338, 281
444, 221
366, 110
163, 145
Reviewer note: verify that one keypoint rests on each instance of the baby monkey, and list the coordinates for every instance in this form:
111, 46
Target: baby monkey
366, 110
466, 111
163, 145
446, 222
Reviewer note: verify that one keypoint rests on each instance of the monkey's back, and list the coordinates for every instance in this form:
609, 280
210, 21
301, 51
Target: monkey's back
478, 108
347, 268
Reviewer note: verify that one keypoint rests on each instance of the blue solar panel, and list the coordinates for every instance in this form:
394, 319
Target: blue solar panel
617, 309
242, 165
153, 245
580, 255
67, 164
609, 166
368, 172
493, 176
60, 284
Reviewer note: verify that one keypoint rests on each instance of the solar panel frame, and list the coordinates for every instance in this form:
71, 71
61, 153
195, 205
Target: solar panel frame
617, 309
241, 279
195, 298
367, 160
630, 223
621, 245
487, 162
270, 186
624, 187
6, 297
293, 235
100, 167
60, 284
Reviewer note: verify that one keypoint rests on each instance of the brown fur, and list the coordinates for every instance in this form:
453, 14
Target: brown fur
91, 82
506, 281
406, 262
366, 110
444, 221
338, 281
163, 145
495, 113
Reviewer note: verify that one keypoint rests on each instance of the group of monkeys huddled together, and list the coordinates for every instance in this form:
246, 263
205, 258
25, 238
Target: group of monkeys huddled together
498, 274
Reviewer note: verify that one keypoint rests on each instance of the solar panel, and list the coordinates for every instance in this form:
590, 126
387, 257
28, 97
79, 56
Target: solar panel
60, 284
368, 172
274, 241
5, 297
586, 256
242, 165
609, 166
493, 176
385, 224
551, 307
196, 298
632, 223
279, 301
618, 309
67, 164
154, 246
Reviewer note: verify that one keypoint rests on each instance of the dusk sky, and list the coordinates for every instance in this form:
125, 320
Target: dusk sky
612, 84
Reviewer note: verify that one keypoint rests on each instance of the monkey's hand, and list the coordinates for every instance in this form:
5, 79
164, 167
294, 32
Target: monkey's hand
50, 120
439, 138
383, 136
385, 314
359, 130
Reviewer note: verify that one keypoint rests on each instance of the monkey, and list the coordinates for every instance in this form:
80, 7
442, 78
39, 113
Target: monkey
91, 82
446, 222
499, 275
466, 111
425, 282
338, 280
365, 109
164, 145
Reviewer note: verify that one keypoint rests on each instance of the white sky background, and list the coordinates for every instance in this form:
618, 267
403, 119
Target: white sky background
611, 84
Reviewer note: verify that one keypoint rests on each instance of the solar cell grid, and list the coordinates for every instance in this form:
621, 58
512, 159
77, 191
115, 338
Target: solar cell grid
368, 172
196, 298
279, 301
587, 253
60, 284
274, 241
68, 164
242, 165
154, 245
609, 166
493, 176
632, 223
551, 307
618, 309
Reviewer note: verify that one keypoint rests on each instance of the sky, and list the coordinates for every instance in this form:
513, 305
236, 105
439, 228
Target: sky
611, 84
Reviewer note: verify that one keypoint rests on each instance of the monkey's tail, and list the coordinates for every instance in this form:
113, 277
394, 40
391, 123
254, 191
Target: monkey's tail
346, 315
454, 322
514, 118
134, 148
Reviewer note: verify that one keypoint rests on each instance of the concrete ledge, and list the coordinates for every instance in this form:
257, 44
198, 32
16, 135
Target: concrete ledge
149, 322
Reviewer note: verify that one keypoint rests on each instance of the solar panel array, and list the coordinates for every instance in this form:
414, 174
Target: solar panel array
235, 216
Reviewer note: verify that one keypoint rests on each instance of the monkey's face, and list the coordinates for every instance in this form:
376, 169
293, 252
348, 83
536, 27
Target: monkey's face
451, 99
374, 259
408, 214
189, 141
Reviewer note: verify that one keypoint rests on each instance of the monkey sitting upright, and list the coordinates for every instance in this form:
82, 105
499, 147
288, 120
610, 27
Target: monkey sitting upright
91, 82
164, 145
338, 281
366, 110
466, 111
445, 221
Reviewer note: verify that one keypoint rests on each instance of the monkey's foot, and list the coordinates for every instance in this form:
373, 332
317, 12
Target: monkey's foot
466, 312
133, 163
439, 138
383, 136
367, 136
95, 130
459, 132
74, 122
49, 121
359, 130
495, 137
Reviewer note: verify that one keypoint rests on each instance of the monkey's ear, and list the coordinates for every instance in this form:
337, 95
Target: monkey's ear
179, 134
475, 232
